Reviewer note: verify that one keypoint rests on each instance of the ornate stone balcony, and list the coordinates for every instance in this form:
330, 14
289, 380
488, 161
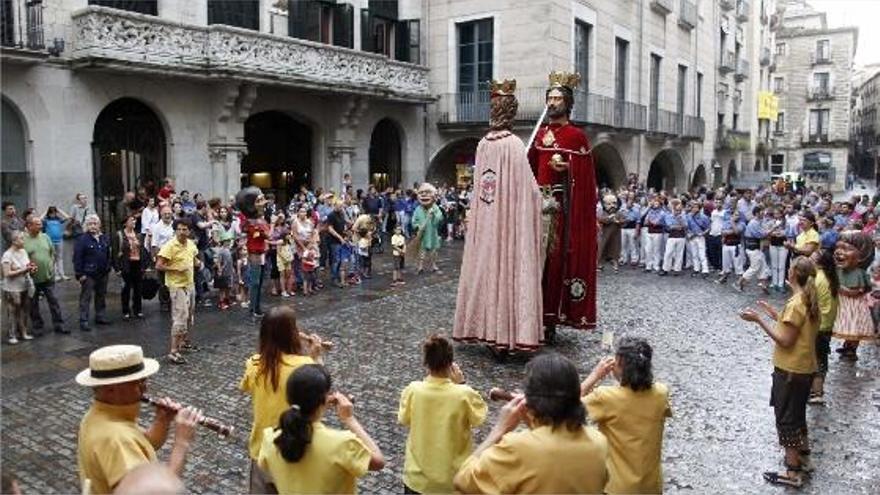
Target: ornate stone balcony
109, 38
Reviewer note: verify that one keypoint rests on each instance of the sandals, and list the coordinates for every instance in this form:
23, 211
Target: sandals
175, 358
784, 479
816, 398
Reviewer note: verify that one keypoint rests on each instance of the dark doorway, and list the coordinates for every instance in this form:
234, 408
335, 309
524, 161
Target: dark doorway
610, 172
14, 176
128, 154
454, 164
699, 179
385, 155
279, 157
665, 172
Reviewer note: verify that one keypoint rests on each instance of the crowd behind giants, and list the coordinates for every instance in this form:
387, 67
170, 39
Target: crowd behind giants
762, 237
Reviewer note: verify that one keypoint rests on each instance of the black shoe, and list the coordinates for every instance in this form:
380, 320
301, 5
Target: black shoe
695, 275
85, 327
662, 273
60, 329
257, 314
103, 321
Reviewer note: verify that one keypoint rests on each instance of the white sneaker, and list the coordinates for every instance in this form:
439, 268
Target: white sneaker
27, 336
285, 294
12, 340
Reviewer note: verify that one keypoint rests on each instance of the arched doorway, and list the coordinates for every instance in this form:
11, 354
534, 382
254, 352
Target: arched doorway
385, 155
279, 154
666, 172
454, 163
14, 176
128, 151
699, 179
610, 171
731, 172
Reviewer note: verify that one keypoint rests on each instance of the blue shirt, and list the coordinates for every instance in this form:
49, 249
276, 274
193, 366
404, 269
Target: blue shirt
697, 224
91, 256
654, 217
675, 222
727, 226
754, 229
841, 220
828, 239
54, 228
632, 213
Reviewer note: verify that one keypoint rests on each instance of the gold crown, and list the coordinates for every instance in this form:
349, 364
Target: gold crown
503, 88
559, 79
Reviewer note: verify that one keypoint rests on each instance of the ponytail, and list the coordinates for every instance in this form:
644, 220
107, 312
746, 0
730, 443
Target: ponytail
811, 299
307, 390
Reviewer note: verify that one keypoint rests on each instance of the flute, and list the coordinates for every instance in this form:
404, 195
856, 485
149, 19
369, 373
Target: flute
223, 430
499, 394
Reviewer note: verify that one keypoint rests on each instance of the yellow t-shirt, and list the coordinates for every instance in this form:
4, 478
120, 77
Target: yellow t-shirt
268, 404
179, 259
801, 357
333, 462
827, 302
541, 460
806, 237
110, 444
633, 422
440, 415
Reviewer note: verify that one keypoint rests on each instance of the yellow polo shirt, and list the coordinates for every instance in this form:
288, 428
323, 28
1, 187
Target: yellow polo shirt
440, 415
541, 460
806, 237
179, 259
110, 444
333, 462
801, 357
633, 422
827, 302
268, 404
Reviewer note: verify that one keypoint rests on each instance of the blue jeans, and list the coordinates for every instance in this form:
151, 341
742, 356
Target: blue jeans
255, 272
335, 261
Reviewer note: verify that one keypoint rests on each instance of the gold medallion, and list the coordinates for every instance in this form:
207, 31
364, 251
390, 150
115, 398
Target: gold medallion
549, 138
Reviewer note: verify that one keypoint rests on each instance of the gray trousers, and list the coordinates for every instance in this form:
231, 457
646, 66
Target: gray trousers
47, 290
90, 286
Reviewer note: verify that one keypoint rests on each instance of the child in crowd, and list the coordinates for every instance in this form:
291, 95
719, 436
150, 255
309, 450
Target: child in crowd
347, 275
223, 269
284, 258
365, 261
440, 412
310, 259
241, 270
398, 252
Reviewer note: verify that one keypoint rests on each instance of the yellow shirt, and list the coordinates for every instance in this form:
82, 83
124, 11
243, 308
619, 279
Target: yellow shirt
440, 415
801, 357
633, 423
804, 238
542, 460
268, 404
333, 462
179, 260
110, 444
827, 302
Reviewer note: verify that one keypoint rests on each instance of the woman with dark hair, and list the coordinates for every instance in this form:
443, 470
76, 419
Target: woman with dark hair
131, 262
794, 364
556, 454
808, 240
632, 416
301, 455
827, 285
440, 412
282, 350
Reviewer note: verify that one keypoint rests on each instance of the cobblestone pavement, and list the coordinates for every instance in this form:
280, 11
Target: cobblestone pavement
718, 368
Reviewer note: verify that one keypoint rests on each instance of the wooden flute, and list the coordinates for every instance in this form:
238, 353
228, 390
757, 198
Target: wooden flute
499, 394
222, 429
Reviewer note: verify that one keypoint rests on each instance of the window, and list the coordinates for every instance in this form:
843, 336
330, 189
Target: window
735, 121
582, 53
823, 50
318, 21
140, 6
654, 91
778, 85
780, 123
780, 48
821, 82
621, 50
699, 94
238, 13
682, 88
819, 120
475, 55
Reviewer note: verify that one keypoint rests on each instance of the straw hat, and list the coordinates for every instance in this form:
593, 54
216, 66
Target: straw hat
116, 364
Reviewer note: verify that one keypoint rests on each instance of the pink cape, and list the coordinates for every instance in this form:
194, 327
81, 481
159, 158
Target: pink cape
499, 290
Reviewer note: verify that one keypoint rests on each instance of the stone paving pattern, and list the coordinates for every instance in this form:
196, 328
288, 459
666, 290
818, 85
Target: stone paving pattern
718, 368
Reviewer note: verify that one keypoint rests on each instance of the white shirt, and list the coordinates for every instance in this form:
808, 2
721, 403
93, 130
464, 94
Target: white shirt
148, 217
716, 221
16, 259
161, 233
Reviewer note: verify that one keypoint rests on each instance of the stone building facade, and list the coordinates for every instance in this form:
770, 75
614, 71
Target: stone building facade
814, 80
866, 127
103, 96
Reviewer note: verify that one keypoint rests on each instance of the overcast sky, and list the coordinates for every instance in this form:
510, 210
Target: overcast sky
865, 15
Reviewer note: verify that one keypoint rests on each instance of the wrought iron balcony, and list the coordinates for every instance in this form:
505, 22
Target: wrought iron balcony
820, 93
687, 15
814, 138
766, 57
742, 69
820, 58
732, 140
21, 30
727, 64
728, 4
125, 41
742, 10
694, 128
664, 7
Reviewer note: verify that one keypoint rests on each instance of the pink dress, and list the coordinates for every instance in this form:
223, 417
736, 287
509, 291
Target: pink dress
499, 291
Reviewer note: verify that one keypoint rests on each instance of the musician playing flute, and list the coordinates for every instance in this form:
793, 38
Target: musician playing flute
562, 162
110, 442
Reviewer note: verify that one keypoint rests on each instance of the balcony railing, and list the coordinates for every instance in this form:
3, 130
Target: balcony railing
662, 6
126, 41
820, 58
742, 69
21, 24
727, 64
730, 139
664, 122
694, 128
687, 17
819, 93
814, 138
765, 56
742, 10
728, 4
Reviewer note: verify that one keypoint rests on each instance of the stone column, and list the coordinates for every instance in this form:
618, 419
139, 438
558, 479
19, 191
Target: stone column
226, 168
339, 158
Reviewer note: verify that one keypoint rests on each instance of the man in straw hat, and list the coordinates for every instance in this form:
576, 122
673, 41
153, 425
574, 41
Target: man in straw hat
110, 443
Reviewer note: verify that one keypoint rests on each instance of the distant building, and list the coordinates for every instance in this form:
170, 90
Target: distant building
866, 128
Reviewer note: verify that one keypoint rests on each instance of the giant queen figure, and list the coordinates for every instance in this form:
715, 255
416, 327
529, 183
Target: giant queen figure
561, 159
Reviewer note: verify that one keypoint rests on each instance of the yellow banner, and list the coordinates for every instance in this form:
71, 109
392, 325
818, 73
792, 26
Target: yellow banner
768, 106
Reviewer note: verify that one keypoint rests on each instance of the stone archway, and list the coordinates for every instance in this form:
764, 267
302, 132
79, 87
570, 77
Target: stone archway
667, 172
129, 153
453, 164
385, 155
14, 174
699, 179
610, 170
279, 154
